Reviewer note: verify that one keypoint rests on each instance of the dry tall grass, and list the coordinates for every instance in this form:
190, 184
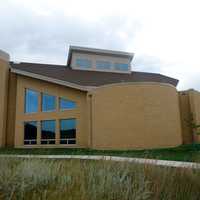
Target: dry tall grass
94, 180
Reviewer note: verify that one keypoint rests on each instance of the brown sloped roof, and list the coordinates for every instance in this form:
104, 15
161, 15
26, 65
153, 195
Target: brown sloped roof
90, 78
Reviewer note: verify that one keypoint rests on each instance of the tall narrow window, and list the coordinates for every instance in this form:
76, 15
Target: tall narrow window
48, 103
30, 133
66, 104
83, 63
121, 66
68, 131
31, 101
48, 132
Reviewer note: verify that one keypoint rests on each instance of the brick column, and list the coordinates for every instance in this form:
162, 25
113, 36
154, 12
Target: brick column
57, 131
4, 84
38, 133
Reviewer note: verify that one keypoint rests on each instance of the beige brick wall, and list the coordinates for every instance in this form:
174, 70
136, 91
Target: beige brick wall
186, 117
190, 113
4, 74
116, 116
11, 112
194, 97
80, 113
135, 116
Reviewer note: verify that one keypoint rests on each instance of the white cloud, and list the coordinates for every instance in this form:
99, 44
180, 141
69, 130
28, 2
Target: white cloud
163, 34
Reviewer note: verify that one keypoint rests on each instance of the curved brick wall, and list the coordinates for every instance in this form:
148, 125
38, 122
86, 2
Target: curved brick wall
140, 115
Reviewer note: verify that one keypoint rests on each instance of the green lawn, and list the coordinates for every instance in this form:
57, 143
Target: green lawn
190, 153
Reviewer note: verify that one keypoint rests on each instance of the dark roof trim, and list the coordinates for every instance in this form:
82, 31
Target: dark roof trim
78, 87
85, 80
51, 80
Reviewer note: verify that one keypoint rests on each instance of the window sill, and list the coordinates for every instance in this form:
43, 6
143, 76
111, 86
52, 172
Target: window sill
62, 110
30, 113
48, 111
50, 146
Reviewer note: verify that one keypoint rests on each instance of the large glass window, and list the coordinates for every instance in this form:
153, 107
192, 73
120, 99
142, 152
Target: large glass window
31, 101
48, 132
66, 104
68, 131
121, 66
83, 63
48, 103
103, 64
30, 132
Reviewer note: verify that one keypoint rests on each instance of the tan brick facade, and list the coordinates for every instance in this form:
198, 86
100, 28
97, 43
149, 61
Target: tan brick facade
80, 113
4, 79
190, 113
135, 116
115, 116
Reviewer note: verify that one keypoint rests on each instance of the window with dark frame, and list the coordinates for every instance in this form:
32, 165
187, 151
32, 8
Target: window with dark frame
30, 133
48, 103
66, 104
68, 131
102, 65
121, 66
48, 127
31, 101
83, 63
48, 131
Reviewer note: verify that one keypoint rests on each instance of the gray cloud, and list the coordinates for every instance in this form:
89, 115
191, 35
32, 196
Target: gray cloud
32, 37
188, 81
147, 63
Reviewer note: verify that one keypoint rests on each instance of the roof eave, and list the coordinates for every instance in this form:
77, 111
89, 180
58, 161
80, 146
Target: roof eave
51, 80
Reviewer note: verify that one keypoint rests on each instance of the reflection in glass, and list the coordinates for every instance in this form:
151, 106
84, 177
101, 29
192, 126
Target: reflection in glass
83, 63
31, 101
103, 64
67, 104
48, 132
68, 131
121, 66
48, 103
30, 133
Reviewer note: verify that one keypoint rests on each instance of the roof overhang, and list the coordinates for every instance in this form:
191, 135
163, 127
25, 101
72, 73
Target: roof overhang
98, 52
52, 80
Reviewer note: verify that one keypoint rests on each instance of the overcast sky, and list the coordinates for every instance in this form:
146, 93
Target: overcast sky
163, 34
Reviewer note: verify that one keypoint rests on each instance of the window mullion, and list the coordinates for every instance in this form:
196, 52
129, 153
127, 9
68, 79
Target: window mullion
57, 132
38, 132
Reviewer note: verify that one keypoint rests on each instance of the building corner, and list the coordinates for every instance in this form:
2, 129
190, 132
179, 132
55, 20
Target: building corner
4, 82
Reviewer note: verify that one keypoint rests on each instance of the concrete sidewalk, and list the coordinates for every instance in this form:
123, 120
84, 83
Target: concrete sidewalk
166, 163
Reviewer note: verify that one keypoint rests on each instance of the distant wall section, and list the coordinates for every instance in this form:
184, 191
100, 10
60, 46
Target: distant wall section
190, 114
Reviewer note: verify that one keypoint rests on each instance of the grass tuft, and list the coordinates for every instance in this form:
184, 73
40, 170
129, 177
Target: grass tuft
94, 180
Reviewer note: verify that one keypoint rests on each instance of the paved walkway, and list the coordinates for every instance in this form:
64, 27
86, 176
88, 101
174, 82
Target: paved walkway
113, 158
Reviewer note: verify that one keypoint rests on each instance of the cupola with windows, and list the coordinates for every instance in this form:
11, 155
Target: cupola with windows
91, 59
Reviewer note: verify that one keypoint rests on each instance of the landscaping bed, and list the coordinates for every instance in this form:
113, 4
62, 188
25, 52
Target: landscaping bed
188, 153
